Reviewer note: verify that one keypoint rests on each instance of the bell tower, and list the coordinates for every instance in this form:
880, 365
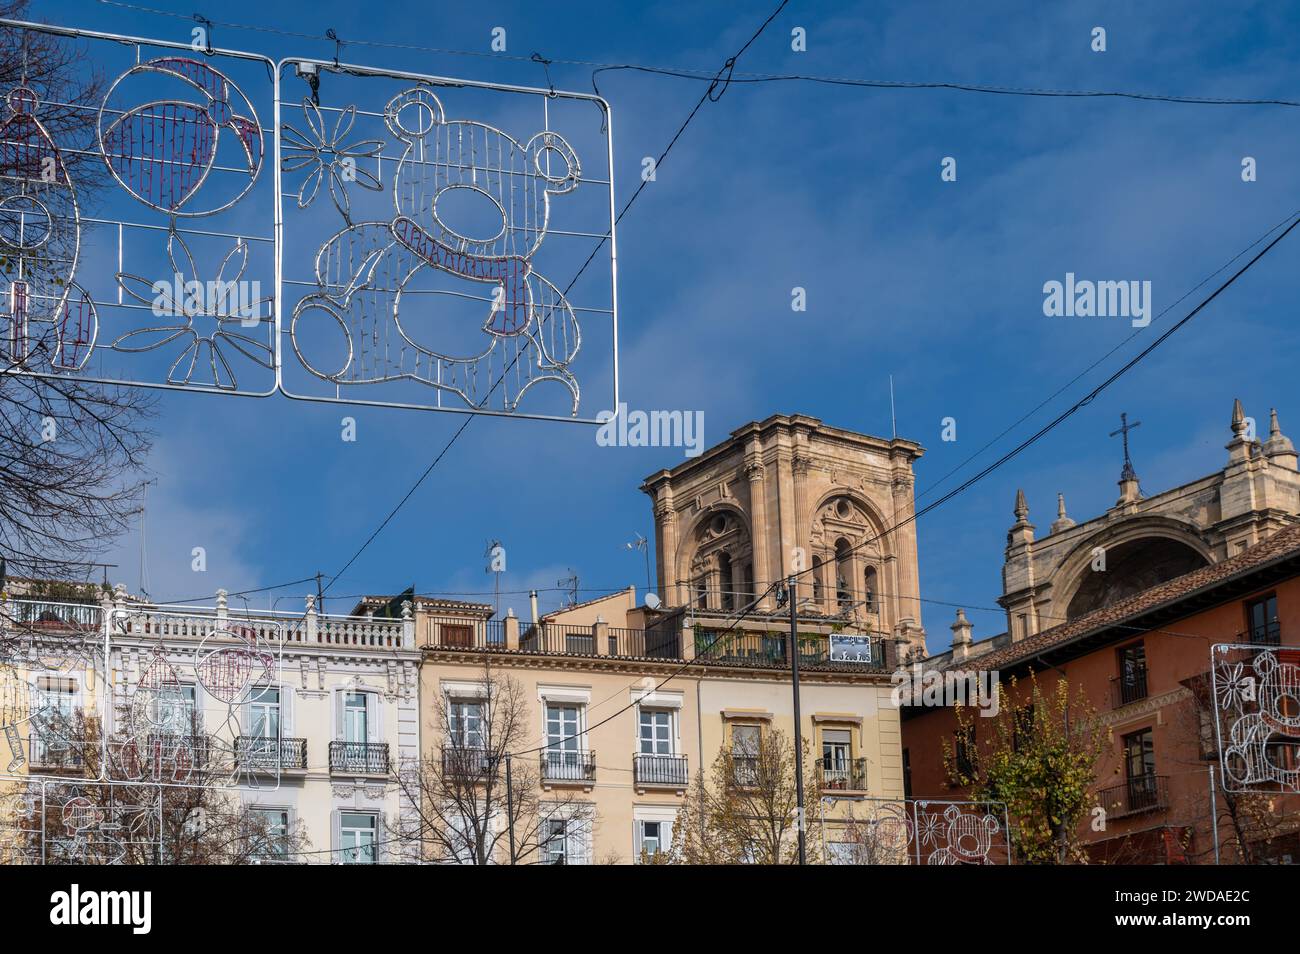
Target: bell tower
790, 495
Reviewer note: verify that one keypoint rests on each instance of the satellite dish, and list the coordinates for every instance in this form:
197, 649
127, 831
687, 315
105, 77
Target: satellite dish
652, 602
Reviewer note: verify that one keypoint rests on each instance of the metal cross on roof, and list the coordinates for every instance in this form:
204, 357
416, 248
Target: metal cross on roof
1128, 473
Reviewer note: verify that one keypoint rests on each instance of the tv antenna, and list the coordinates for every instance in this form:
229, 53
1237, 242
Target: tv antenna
570, 583
642, 544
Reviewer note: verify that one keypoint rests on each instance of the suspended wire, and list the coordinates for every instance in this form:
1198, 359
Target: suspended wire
738, 76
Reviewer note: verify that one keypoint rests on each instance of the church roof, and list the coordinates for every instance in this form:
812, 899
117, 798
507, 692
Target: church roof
1172, 599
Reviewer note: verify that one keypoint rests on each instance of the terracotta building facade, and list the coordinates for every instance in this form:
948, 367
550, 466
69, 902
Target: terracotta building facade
1128, 608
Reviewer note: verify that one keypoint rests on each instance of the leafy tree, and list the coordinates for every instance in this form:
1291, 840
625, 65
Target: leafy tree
1040, 760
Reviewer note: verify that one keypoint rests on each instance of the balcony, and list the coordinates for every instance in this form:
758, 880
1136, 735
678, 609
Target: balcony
359, 758
744, 771
667, 771
467, 763
265, 755
546, 637
568, 766
757, 648
1142, 793
1129, 687
847, 776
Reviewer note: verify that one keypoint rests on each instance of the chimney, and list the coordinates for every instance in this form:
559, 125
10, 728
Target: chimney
532, 604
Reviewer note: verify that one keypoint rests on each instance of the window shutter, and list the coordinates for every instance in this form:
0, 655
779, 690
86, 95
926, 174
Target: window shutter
336, 837
638, 827
584, 842
374, 712
336, 703
665, 835
380, 838
286, 712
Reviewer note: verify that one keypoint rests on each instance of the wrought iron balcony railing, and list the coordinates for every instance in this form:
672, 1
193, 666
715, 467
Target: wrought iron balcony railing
660, 770
258, 754
359, 758
1141, 793
849, 775
568, 765
467, 762
1129, 687
744, 771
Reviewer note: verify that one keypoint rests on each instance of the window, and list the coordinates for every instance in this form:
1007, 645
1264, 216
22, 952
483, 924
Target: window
745, 739
745, 742
563, 737
1262, 622
54, 707
1139, 755
1140, 769
836, 758
964, 750
869, 593
650, 837
843, 853
465, 718
726, 581
656, 732
1022, 728
907, 774
355, 722
818, 579
357, 832
275, 834
555, 847
264, 713
1132, 673
843, 573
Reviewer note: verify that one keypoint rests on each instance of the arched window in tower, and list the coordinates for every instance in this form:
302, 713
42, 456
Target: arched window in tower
843, 573
701, 593
819, 579
726, 581
749, 582
869, 590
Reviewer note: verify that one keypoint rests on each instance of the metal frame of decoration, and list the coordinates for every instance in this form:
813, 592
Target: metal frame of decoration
166, 740
57, 821
165, 157
927, 831
150, 733
163, 152
1255, 688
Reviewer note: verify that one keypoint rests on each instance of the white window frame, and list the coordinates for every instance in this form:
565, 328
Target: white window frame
287, 825
343, 850
662, 815
257, 705
642, 712
348, 709
457, 723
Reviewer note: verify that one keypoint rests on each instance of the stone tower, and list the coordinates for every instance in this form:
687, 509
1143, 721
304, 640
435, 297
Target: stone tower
791, 494
1143, 541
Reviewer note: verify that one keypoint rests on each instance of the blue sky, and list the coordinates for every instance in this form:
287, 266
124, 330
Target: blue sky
837, 190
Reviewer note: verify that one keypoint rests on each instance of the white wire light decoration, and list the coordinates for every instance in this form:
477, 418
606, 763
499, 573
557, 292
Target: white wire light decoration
175, 170
1256, 720
233, 278
436, 286
189, 717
